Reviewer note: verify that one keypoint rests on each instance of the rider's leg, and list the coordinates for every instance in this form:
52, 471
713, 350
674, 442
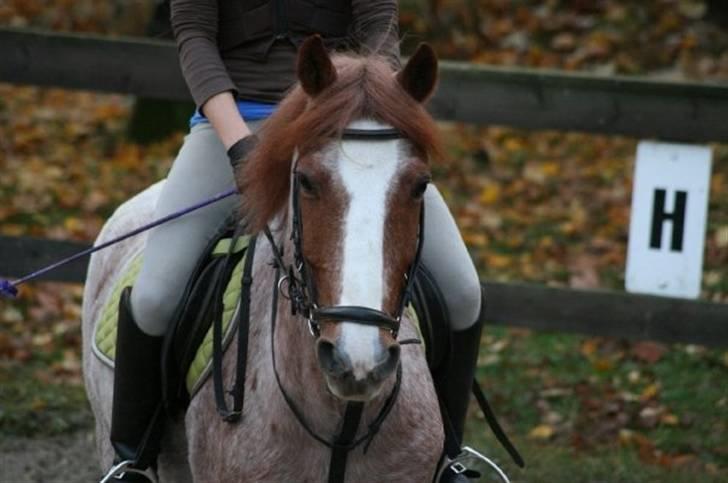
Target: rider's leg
201, 169
136, 420
446, 256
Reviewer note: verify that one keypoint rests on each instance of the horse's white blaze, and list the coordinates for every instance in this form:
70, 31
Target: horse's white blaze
367, 169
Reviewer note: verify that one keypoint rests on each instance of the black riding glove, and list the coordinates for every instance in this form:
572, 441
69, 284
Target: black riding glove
240, 150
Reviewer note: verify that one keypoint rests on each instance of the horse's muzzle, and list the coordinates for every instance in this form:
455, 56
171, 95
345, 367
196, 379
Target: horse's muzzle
356, 383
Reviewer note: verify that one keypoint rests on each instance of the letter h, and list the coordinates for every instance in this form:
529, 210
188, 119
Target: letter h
660, 216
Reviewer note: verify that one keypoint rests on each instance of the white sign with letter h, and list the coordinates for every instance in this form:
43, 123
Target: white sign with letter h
668, 219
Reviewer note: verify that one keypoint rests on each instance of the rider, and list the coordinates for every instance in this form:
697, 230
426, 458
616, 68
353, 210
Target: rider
238, 60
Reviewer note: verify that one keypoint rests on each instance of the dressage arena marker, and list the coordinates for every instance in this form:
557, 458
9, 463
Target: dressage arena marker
668, 220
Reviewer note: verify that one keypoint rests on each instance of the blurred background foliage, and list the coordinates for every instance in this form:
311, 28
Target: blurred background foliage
546, 207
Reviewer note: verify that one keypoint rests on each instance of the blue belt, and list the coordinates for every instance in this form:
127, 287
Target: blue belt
249, 110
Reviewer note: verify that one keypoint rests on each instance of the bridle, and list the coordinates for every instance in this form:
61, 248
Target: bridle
295, 283
298, 286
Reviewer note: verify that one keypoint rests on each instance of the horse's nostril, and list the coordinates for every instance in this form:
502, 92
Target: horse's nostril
393, 354
387, 364
331, 359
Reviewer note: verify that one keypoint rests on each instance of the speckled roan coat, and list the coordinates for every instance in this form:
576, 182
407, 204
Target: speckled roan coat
268, 444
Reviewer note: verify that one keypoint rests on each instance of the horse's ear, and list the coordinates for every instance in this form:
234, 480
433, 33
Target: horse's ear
315, 70
419, 76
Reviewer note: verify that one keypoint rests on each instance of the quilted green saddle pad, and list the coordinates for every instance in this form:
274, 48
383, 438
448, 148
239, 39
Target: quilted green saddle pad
105, 336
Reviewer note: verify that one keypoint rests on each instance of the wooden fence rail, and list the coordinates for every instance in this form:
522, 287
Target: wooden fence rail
524, 98
484, 95
520, 305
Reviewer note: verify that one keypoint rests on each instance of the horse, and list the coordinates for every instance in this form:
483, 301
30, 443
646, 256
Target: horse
343, 212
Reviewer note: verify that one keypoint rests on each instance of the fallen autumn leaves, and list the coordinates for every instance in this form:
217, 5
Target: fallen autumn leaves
544, 207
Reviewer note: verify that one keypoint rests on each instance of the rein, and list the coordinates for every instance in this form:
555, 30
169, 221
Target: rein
373, 427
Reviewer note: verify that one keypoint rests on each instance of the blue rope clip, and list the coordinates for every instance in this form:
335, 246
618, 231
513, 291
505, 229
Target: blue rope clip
8, 289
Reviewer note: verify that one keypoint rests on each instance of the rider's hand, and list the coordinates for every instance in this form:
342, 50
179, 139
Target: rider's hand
240, 150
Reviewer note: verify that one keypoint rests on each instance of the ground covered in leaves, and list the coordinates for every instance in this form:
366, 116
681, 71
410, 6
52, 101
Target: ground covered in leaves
544, 207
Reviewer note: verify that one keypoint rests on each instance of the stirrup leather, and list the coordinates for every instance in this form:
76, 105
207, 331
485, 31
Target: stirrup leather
118, 471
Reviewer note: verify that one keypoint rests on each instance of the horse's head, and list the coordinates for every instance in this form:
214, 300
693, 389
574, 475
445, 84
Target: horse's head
356, 140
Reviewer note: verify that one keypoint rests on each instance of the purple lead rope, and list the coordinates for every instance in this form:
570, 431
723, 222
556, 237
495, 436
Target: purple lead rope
9, 289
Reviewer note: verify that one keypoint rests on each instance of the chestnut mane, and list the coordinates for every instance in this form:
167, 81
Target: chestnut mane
365, 88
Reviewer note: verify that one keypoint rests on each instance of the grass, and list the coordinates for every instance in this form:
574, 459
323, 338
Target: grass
529, 378
32, 406
588, 410
556, 464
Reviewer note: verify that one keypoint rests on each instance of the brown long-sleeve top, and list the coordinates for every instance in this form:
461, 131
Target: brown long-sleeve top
263, 68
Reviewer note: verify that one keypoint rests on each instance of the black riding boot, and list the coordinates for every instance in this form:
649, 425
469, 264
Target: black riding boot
137, 412
454, 382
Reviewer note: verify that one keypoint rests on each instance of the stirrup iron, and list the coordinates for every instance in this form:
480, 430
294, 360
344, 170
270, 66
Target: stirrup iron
457, 467
118, 471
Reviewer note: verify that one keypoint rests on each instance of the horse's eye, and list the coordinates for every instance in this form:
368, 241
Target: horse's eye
419, 190
307, 185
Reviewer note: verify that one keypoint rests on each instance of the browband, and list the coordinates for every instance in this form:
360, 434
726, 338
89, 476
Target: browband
364, 134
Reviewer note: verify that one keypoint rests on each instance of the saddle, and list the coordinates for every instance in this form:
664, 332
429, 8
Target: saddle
187, 349
212, 292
